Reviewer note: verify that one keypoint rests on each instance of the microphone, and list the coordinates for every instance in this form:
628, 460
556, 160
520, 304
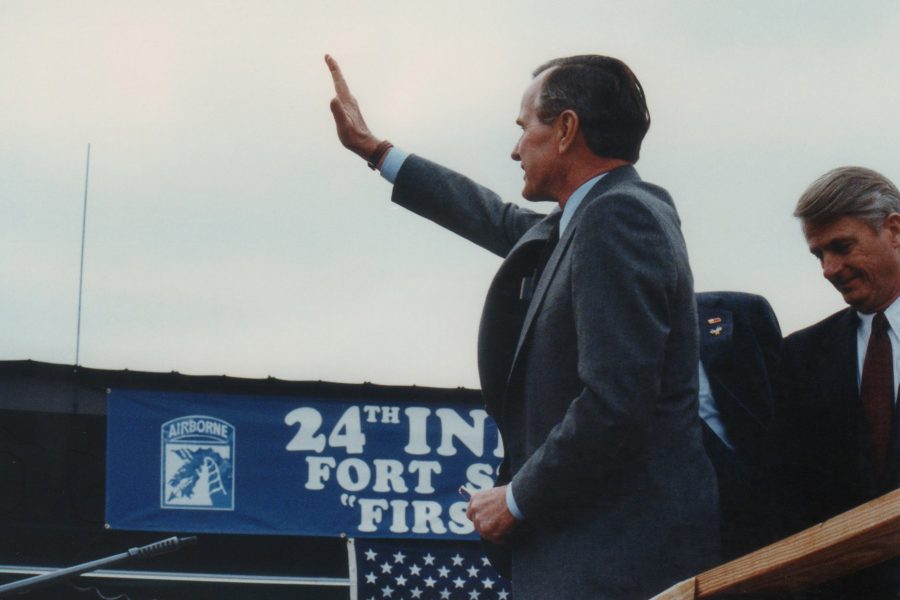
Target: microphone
162, 547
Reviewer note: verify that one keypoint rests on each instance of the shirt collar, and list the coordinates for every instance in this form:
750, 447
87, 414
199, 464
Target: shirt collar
575, 200
892, 313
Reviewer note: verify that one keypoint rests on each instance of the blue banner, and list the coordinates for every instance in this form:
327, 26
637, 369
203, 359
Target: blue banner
223, 463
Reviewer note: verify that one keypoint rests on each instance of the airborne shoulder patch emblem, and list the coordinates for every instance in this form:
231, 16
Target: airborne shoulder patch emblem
197, 463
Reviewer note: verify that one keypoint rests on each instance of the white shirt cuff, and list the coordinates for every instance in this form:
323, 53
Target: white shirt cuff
393, 160
511, 503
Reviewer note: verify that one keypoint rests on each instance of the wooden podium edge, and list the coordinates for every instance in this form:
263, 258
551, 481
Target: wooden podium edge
684, 590
864, 536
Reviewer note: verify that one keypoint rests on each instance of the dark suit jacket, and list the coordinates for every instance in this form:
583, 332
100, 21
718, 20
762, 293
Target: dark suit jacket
593, 384
739, 346
823, 457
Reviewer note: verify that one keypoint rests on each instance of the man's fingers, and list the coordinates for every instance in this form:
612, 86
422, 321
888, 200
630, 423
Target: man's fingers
337, 109
340, 84
351, 127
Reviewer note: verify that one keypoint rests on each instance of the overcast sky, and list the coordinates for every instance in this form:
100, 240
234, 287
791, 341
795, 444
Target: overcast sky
228, 232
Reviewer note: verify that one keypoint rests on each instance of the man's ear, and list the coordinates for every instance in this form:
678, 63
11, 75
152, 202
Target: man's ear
568, 124
892, 224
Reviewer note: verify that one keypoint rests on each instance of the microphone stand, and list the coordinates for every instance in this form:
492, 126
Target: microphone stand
162, 547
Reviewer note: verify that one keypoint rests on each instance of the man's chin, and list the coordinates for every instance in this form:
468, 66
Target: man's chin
851, 300
532, 196
850, 293
860, 303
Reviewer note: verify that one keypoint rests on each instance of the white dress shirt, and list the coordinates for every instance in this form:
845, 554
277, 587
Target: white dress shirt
709, 410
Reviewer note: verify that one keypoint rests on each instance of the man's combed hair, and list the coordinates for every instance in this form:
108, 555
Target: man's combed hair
606, 96
849, 192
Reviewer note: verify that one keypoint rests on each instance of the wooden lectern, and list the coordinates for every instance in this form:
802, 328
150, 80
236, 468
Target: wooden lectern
865, 536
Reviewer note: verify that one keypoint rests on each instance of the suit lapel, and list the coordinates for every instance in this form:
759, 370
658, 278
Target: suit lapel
730, 367
841, 405
716, 337
544, 282
718, 352
617, 176
504, 310
838, 363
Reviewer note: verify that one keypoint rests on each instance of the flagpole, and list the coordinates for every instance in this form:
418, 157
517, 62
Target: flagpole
87, 170
351, 569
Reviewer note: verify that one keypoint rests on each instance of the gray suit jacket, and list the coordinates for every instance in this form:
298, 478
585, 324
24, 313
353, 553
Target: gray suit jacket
593, 384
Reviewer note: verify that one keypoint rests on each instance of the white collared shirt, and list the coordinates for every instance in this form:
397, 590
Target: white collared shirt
709, 410
575, 200
863, 332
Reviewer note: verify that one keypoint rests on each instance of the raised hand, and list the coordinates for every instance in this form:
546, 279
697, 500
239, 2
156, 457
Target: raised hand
351, 127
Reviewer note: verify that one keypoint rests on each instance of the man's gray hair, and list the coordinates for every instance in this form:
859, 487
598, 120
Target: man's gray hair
849, 192
607, 97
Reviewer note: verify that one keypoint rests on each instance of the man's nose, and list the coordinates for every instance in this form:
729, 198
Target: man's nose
515, 153
831, 266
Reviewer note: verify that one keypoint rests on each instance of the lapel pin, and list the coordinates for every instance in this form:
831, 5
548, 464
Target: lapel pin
714, 320
717, 330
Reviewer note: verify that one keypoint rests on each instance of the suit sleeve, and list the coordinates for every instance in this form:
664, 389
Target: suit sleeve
457, 203
624, 273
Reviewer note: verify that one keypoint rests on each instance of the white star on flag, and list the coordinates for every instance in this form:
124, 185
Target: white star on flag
413, 570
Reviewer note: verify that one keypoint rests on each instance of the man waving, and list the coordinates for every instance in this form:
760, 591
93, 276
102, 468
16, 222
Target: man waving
587, 349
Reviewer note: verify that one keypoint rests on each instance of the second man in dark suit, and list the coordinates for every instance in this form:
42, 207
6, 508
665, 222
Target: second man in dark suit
838, 440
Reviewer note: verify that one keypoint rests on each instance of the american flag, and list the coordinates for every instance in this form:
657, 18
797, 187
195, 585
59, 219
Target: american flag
436, 570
